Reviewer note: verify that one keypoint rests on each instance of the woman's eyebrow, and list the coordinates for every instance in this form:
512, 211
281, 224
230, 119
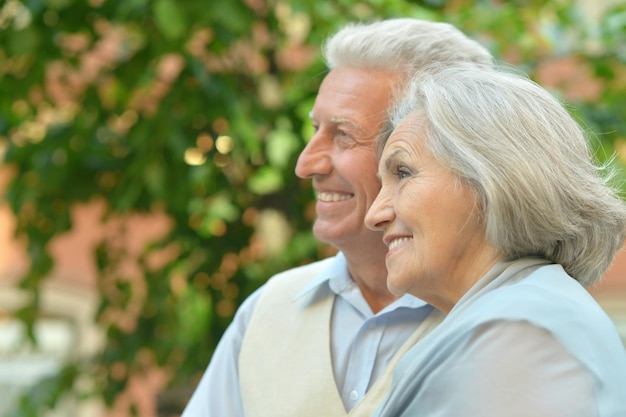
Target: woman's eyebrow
389, 161
392, 158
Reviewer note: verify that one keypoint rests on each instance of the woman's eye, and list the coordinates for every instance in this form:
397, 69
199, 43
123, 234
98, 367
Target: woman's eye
402, 173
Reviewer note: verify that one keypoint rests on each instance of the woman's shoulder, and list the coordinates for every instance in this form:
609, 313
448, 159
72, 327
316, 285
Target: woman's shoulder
549, 299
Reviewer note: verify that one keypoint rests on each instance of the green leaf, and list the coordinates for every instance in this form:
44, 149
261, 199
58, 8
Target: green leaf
222, 207
24, 42
58, 4
281, 146
265, 180
169, 18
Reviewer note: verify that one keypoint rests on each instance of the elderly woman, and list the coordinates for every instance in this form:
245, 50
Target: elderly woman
495, 213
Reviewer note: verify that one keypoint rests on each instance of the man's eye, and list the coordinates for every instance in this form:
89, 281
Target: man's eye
342, 134
344, 139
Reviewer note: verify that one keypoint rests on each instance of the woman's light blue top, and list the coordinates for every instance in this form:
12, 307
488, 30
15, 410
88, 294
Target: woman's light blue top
526, 341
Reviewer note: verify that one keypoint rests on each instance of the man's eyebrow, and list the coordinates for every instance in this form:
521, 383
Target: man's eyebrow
338, 120
349, 122
343, 120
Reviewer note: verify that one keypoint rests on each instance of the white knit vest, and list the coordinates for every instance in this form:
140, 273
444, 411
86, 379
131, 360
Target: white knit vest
285, 366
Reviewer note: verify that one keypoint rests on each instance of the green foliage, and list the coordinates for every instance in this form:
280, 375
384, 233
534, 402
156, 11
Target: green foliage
46, 393
199, 110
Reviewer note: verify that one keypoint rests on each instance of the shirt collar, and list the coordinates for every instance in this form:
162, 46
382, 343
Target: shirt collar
337, 269
337, 278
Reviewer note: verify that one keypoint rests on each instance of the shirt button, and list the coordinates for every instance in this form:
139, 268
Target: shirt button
354, 395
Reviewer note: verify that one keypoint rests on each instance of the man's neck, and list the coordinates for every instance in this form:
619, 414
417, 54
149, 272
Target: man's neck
368, 271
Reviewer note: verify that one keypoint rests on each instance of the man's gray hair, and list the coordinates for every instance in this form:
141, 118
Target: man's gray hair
402, 45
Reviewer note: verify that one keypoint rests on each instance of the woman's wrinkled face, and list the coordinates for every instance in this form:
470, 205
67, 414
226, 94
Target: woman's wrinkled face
430, 219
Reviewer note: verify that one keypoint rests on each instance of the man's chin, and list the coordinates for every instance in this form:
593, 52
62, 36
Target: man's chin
346, 238
330, 234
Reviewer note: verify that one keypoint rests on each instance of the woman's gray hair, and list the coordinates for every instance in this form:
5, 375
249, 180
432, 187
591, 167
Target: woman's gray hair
403, 45
528, 161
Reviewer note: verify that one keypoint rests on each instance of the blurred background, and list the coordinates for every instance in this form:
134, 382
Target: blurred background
147, 150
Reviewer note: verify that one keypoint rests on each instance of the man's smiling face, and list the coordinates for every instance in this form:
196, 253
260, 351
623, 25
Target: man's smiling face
349, 112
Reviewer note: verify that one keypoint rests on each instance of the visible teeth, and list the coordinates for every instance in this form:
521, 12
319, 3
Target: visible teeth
332, 197
398, 241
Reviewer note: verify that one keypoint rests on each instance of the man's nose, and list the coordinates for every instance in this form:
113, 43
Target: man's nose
315, 158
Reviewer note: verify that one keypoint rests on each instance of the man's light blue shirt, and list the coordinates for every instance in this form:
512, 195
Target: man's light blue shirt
362, 343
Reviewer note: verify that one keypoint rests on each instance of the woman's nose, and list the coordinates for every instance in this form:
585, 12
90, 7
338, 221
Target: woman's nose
380, 213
